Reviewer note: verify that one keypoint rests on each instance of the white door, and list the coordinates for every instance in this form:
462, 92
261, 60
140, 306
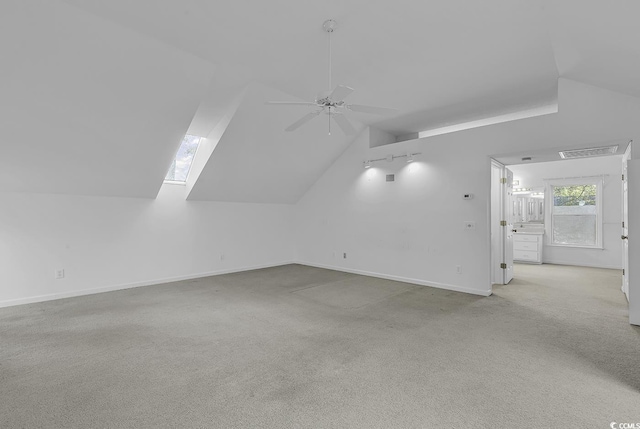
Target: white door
507, 215
625, 223
497, 172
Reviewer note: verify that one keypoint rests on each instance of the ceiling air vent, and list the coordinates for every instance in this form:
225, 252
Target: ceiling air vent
584, 153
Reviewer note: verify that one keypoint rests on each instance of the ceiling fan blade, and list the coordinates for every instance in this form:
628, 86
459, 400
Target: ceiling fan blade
371, 109
344, 124
292, 103
306, 118
340, 93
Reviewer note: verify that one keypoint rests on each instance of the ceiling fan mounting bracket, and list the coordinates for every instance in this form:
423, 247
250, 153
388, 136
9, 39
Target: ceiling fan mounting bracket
330, 25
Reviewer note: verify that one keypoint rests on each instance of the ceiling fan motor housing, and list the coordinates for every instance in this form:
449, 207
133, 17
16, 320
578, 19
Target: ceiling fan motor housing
330, 25
324, 99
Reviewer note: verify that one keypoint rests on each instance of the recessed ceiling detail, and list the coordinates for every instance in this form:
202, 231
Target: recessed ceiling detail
588, 152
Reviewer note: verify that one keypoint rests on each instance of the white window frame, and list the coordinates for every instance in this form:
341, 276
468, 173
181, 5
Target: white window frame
548, 197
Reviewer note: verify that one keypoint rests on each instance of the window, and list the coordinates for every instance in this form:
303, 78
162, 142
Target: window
179, 170
576, 212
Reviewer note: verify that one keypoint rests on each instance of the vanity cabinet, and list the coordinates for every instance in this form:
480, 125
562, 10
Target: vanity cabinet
527, 248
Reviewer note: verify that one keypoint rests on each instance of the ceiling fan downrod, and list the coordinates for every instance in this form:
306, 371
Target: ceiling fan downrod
331, 102
329, 26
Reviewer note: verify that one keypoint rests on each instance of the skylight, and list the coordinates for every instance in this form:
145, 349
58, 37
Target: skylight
179, 170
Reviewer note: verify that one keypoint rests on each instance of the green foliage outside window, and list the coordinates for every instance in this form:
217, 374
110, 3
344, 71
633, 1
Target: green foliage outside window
577, 195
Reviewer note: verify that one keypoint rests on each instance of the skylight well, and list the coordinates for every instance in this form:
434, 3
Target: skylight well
179, 170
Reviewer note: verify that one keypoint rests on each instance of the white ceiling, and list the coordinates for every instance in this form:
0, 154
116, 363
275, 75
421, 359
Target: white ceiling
415, 56
104, 90
596, 42
548, 155
248, 165
88, 110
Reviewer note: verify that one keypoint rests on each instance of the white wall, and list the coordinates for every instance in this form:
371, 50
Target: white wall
108, 243
413, 228
410, 229
533, 175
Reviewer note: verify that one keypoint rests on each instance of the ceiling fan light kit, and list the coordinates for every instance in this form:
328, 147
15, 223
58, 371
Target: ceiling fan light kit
331, 102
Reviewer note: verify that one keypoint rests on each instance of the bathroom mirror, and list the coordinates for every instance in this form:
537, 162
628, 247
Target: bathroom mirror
528, 205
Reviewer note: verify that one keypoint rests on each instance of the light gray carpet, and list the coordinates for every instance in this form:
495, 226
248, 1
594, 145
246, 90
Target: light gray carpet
295, 346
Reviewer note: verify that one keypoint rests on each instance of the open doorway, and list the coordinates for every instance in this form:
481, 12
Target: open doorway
563, 209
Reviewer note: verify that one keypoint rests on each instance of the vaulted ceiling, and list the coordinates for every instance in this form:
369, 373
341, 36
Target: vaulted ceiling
96, 95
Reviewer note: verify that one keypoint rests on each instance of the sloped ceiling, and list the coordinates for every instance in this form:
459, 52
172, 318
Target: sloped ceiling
88, 107
596, 42
102, 91
415, 56
250, 165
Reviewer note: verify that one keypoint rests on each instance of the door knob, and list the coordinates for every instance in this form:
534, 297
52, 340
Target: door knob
624, 237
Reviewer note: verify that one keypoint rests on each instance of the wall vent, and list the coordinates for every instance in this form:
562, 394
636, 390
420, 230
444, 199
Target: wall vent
585, 153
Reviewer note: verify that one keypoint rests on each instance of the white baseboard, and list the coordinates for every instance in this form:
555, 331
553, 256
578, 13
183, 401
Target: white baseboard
400, 279
582, 264
71, 294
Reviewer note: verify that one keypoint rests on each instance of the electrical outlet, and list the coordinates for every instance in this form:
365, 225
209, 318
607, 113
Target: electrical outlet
59, 274
222, 256
344, 255
458, 269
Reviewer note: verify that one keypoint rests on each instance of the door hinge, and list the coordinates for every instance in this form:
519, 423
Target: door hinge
623, 177
503, 266
503, 180
623, 224
623, 271
503, 223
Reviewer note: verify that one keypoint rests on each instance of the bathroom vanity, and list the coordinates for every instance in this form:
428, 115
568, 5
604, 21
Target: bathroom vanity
527, 242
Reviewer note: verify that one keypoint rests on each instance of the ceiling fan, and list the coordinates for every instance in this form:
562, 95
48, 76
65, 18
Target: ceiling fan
332, 102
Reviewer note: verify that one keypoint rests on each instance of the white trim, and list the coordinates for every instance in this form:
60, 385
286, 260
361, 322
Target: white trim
498, 119
597, 176
82, 292
577, 246
549, 218
400, 279
581, 264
